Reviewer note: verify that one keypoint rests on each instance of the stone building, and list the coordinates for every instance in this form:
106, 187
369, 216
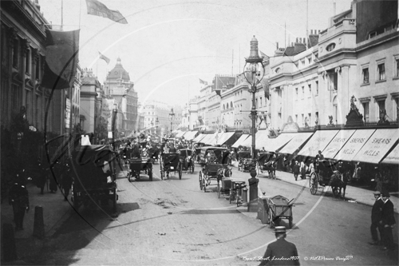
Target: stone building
119, 87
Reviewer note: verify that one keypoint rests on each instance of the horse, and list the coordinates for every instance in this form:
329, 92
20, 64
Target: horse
338, 183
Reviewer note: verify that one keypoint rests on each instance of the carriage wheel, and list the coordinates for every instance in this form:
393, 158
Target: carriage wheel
200, 180
218, 189
290, 222
313, 189
204, 184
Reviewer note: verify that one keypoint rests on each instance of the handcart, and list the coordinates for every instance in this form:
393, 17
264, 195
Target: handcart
279, 207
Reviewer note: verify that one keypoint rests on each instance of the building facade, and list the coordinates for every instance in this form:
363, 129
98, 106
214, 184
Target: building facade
119, 87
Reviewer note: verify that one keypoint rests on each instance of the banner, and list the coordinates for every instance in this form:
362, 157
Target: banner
62, 49
97, 8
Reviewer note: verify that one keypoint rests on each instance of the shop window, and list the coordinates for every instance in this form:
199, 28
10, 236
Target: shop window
366, 111
381, 71
365, 74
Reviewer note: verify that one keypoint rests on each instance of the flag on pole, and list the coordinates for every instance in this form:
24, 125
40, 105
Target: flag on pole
103, 57
97, 8
203, 82
62, 49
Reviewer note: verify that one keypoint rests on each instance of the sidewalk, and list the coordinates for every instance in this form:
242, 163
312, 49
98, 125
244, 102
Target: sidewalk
353, 194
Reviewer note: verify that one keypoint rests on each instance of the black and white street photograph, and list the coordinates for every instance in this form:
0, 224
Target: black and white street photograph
199, 132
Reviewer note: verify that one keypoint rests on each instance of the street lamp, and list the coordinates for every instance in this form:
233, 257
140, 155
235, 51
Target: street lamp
156, 125
254, 70
114, 116
171, 116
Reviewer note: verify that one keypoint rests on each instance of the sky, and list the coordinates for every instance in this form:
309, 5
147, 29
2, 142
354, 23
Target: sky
168, 45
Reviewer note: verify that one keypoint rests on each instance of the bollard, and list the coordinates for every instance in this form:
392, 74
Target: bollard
8, 243
253, 191
244, 195
38, 226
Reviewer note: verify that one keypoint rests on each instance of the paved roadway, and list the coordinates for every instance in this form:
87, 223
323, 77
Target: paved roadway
173, 222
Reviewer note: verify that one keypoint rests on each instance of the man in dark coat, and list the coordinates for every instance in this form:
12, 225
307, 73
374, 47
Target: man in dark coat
376, 212
19, 199
295, 170
280, 252
66, 181
387, 222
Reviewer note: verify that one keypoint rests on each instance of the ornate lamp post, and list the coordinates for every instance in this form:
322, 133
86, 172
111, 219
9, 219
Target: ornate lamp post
114, 116
254, 70
171, 116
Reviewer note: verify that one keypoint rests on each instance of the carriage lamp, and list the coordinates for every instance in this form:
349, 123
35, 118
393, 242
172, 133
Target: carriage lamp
254, 70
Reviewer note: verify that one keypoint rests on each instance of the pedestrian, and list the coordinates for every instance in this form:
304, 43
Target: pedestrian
378, 179
295, 170
41, 177
303, 169
280, 252
387, 221
376, 213
54, 175
66, 181
19, 199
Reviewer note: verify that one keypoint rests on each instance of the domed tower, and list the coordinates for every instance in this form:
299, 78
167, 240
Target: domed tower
119, 87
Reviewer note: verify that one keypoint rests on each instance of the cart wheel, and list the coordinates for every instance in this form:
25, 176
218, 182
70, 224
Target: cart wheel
200, 180
204, 184
180, 171
290, 222
271, 222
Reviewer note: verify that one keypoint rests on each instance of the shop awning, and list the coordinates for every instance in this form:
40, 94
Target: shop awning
199, 138
354, 144
296, 142
318, 142
210, 139
261, 139
240, 140
392, 157
247, 142
190, 135
180, 134
337, 143
276, 143
378, 145
224, 137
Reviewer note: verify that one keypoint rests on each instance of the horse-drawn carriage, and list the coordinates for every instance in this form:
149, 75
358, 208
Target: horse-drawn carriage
170, 162
214, 165
139, 165
328, 173
245, 162
94, 176
187, 160
267, 162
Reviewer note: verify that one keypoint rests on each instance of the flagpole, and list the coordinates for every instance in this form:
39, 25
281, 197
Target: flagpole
62, 15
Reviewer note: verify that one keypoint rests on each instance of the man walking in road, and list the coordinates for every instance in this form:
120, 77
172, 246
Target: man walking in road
280, 252
19, 199
295, 170
376, 212
387, 222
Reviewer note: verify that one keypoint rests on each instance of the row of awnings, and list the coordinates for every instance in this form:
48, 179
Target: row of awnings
218, 138
362, 145
188, 135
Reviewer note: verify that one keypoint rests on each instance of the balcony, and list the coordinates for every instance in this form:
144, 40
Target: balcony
345, 25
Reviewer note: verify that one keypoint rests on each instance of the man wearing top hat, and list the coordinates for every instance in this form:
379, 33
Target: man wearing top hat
280, 252
376, 212
387, 221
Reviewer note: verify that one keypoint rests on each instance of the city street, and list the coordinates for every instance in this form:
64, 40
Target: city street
173, 222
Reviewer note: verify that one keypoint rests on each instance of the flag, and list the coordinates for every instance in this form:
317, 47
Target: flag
203, 82
62, 49
97, 8
103, 57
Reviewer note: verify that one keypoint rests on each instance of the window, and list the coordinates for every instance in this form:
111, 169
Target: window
310, 90
366, 111
310, 119
381, 71
330, 47
296, 119
381, 105
365, 73
27, 61
15, 54
303, 120
396, 68
260, 102
317, 88
316, 122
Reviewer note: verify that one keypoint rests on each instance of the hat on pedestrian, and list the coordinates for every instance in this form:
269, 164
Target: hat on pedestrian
385, 194
377, 193
280, 229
